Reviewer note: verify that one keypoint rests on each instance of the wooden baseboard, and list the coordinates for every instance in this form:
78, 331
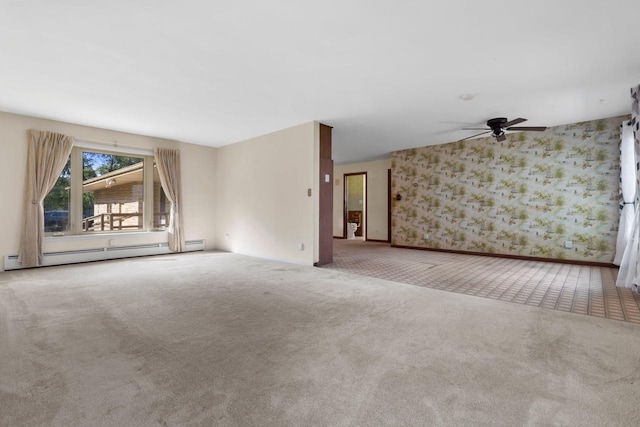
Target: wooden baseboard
525, 258
368, 240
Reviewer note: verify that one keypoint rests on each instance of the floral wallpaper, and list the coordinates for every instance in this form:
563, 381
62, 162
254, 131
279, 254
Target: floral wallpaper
551, 194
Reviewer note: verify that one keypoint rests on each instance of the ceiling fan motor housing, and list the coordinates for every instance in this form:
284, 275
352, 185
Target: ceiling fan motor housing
496, 126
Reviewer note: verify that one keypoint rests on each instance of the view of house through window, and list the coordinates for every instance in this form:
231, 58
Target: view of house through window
112, 196
112, 192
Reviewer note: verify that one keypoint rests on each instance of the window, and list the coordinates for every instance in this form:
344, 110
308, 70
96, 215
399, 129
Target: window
56, 204
160, 203
103, 191
112, 192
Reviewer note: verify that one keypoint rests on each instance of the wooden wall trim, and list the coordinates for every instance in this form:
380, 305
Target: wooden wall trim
325, 198
325, 142
525, 258
345, 213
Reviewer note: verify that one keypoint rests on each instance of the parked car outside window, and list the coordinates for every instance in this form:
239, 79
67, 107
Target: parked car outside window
56, 220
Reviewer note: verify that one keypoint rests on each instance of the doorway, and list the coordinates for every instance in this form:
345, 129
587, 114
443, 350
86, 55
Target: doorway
355, 205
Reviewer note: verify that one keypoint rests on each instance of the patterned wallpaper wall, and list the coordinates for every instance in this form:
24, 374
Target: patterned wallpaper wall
525, 196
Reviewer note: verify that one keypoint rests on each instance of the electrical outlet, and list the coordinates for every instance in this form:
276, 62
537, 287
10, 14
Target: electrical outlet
301, 246
568, 244
426, 236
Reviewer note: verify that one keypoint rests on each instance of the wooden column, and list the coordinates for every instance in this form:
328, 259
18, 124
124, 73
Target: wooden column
325, 252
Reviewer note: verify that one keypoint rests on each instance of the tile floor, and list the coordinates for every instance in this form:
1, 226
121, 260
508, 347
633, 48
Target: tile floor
575, 288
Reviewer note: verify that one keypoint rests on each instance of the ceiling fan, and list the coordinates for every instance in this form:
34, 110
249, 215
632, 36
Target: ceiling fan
498, 125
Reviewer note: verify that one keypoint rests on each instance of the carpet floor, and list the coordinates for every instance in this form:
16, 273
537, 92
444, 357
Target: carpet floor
204, 339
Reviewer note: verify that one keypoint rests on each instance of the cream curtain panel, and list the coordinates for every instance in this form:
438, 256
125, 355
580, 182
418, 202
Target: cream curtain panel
168, 164
629, 274
47, 154
627, 190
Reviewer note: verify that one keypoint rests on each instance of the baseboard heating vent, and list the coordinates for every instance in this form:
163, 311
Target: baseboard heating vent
101, 254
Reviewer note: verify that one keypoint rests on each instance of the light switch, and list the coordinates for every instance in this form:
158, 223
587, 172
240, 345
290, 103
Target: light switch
327, 177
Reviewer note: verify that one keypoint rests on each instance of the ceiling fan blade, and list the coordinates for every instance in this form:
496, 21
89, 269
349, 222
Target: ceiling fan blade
473, 136
513, 122
476, 129
528, 128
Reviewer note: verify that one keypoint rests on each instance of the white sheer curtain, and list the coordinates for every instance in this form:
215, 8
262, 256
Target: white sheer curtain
168, 164
47, 154
627, 189
629, 276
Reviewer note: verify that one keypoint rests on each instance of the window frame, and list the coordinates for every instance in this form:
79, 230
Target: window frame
74, 227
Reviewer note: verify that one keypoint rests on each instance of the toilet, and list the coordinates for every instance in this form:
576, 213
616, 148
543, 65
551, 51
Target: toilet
351, 230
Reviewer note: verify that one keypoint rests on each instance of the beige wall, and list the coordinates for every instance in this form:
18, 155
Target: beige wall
262, 206
198, 183
377, 197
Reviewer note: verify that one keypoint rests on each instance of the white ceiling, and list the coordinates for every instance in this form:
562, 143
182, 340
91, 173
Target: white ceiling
386, 75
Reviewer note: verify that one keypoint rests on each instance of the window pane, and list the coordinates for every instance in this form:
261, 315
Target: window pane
161, 205
56, 203
112, 192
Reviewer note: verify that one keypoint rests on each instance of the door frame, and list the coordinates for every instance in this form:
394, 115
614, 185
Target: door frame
345, 209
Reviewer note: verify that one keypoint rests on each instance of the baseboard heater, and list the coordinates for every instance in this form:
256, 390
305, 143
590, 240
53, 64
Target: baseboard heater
101, 254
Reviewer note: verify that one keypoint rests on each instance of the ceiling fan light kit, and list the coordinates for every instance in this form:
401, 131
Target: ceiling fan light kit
498, 125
